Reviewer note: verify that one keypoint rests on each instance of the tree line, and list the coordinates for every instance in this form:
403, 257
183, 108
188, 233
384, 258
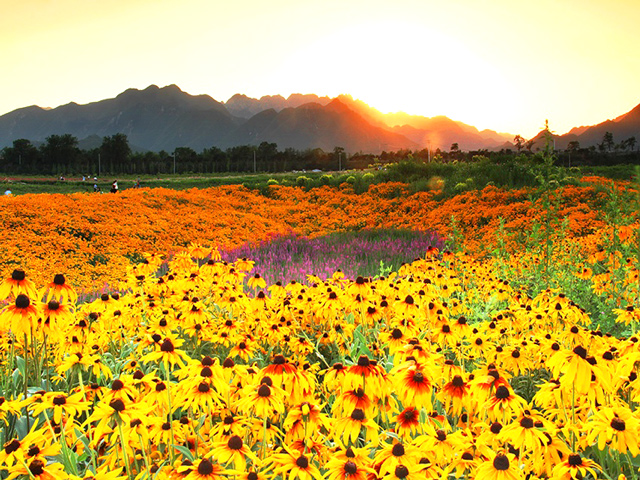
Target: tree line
61, 155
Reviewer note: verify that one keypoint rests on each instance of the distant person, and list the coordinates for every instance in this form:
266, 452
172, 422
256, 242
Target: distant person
137, 184
95, 187
7, 192
83, 178
114, 186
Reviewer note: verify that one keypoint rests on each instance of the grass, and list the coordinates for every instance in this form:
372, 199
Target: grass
455, 178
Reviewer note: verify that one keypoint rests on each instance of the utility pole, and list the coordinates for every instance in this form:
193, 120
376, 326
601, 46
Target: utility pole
339, 161
98, 165
174, 162
254, 161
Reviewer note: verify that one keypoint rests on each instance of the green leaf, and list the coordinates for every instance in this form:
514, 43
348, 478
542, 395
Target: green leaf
184, 451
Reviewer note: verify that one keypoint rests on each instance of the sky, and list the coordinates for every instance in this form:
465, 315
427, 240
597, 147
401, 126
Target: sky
506, 65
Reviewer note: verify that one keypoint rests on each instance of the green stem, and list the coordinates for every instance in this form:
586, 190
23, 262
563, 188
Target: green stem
124, 449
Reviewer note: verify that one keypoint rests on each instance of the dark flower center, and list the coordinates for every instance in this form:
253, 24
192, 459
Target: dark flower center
59, 400
167, 346
618, 424
408, 300
363, 361
580, 351
501, 462
279, 360
228, 363
117, 405
33, 451
401, 471
12, 446
515, 354
264, 391
575, 460
495, 428
526, 422
203, 387
228, 420
53, 305
36, 467
397, 450
350, 468
502, 392
457, 381
467, 456
418, 377
396, 334
409, 414
22, 301
252, 476
235, 443
18, 275
205, 467
135, 422
117, 385
206, 372
357, 414
302, 462
441, 435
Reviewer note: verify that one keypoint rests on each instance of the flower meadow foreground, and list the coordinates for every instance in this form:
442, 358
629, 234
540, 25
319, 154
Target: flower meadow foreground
443, 369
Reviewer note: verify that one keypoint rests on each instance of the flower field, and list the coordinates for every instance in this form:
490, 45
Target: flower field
504, 349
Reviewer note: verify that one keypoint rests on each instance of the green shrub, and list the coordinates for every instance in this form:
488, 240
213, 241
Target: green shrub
302, 181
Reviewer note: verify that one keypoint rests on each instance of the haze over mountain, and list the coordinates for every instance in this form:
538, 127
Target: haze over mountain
166, 118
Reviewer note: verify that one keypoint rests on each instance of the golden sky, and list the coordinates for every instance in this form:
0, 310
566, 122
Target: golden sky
502, 64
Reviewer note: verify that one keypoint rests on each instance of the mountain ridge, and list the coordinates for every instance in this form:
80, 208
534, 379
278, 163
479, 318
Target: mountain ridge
164, 118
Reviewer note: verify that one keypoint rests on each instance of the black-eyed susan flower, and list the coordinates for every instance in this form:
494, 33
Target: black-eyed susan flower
503, 466
574, 466
38, 469
524, 433
348, 428
408, 423
572, 368
504, 403
204, 469
20, 316
17, 284
262, 400
60, 290
60, 403
454, 395
294, 465
617, 428
168, 353
413, 385
341, 469
392, 455
234, 451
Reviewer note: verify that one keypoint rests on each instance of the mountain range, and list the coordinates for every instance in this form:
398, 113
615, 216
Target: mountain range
165, 118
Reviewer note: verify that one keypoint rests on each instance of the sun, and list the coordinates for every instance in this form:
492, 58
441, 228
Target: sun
398, 66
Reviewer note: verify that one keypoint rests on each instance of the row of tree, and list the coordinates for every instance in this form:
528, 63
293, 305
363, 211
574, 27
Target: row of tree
61, 155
